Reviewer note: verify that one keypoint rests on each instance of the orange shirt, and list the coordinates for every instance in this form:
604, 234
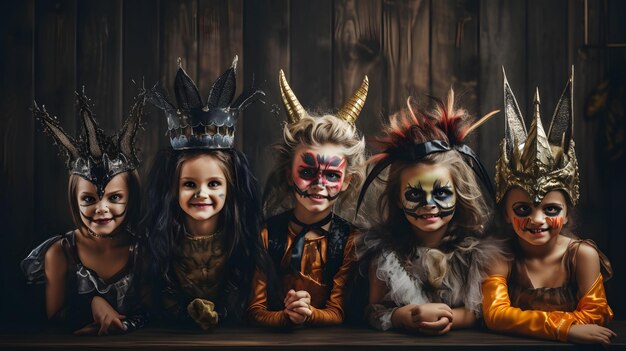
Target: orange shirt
326, 302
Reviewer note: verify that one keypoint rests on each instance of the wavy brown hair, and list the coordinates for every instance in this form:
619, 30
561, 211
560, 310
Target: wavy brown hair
407, 129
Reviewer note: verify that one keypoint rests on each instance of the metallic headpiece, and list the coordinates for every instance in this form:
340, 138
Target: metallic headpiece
533, 161
94, 155
194, 125
349, 112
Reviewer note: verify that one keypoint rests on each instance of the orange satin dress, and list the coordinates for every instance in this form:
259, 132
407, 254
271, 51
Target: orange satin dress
513, 305
326, 303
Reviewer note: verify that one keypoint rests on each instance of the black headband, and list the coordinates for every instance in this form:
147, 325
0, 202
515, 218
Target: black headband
417, 153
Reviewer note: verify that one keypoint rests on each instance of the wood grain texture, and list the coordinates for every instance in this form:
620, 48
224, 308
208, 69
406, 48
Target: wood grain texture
454, 49
406, 49
54, 79
589, 72
600, 212
52, 47
99, 59
454, 53
330, 338
357, 51
547, 52
266, 47
220, 38
17, 133
502, 38
310, 46
179, 39
141, 62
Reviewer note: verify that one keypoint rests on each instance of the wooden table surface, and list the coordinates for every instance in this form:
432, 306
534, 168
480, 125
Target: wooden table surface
333, 338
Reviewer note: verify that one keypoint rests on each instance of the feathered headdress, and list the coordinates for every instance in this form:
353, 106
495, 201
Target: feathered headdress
196, 125
414, 134
94, 155
532, 160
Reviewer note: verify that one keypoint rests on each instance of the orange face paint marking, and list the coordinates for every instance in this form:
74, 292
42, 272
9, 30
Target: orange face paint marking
556, 223
519, 224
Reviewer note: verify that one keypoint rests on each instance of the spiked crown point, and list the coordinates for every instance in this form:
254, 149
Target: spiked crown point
94, 155
194, 125
543, 162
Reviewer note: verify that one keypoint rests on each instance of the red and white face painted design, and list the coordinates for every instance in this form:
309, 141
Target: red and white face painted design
533, 223
319, 176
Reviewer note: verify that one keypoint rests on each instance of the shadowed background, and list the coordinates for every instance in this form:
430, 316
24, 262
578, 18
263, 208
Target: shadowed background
49, 49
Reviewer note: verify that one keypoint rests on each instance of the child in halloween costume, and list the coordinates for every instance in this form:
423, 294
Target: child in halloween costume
554, 287
429, 253
89, 271
311, 246
203, 209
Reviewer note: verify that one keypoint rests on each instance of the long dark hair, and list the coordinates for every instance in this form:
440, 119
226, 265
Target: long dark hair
240, 219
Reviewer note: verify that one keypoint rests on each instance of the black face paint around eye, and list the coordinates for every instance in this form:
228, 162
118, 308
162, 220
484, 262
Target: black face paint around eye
416, 194
314, 170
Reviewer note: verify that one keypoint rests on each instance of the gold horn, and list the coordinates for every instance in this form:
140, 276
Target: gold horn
295, 111
351, 109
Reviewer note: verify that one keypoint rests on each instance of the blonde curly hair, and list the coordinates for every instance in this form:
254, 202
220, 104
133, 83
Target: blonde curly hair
315, 131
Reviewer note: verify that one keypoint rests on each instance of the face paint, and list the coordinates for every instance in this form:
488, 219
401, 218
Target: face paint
427, 190
555, 223
428, 198
535, 224
315, 169
102, 214
318, 176
202, 191
520, 224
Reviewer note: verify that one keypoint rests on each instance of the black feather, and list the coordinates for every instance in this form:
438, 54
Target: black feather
187, 94
223, 90
157, 97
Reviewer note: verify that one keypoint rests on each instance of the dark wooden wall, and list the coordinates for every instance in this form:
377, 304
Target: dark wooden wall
50, 48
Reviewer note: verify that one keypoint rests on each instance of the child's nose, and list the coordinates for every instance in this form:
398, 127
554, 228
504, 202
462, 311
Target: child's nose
537, 216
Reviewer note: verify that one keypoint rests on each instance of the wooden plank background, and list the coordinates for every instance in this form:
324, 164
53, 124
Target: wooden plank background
50, 48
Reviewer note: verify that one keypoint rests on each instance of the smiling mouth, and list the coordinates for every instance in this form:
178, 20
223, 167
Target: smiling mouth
537, 230
428, 215
103, 221
305, 193
201, 205
425, 216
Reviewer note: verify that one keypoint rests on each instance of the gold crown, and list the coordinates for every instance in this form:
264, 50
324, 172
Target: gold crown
534, 161
349, 112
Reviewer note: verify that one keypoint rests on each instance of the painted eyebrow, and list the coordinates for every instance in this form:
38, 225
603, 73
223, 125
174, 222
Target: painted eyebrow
521, 203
